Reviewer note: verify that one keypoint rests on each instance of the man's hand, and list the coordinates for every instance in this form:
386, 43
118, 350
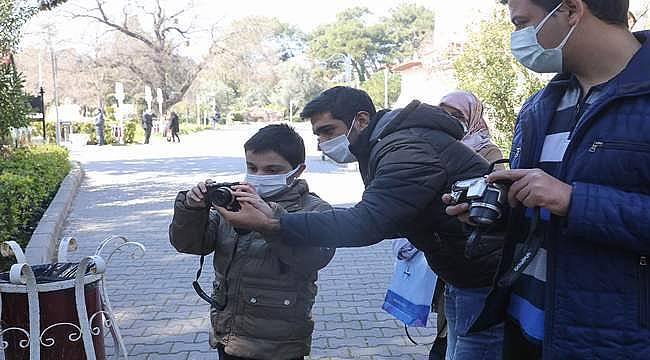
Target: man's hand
460, 211
535, 188
245, 193
250, 218
195, 198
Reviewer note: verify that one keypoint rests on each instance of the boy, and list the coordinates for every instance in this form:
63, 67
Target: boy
263, 291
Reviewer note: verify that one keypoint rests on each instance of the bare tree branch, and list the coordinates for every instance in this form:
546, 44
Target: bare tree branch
157, 62
103, 18
183, 33
634, 18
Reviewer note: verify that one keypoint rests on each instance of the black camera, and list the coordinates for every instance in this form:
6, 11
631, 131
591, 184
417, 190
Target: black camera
222, 195
487, 205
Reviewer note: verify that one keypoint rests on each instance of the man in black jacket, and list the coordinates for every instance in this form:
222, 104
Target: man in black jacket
407, 158
147, 124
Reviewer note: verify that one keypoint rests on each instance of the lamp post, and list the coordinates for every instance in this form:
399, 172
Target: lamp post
42, 93
148, 97
386, 87
57, 125
290, 109
198, 114
119, 114
160, 99
347, 66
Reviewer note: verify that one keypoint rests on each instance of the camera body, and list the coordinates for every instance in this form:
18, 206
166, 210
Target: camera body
487, 202
222, 195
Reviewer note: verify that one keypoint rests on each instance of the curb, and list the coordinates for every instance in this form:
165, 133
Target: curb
42, 246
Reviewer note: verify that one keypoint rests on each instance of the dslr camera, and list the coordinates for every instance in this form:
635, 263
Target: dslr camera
487, 205
486, 201
222, 195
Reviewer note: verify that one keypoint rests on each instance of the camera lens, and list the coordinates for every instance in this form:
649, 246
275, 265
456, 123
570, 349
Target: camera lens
483, 215
487, 211
223, 197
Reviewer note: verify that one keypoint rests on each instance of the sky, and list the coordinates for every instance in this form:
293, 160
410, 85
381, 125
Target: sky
306, 14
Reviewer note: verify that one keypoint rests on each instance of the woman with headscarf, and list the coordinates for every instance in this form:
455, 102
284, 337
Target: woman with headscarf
468, 109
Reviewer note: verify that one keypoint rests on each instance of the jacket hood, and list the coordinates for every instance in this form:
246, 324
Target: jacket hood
417, 115
291, 198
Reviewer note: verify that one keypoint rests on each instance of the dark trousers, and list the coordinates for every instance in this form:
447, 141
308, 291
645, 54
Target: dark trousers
99, 130
516, 346
224, 356
147, 135
175, 134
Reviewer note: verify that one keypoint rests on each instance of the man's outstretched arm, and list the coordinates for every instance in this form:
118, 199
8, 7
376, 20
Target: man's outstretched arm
408, 178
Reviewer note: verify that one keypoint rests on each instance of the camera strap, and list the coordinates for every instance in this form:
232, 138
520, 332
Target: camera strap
525, 254
199, 290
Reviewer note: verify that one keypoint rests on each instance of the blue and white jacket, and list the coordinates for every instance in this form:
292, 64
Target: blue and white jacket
597, 303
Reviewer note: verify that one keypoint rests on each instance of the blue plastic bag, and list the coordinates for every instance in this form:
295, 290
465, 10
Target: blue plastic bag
411, 290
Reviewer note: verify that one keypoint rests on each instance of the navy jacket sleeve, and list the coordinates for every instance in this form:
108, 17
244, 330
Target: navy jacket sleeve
407, 179
606, 215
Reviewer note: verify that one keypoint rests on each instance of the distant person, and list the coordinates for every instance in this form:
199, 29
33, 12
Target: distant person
216, 118
99, 126
174, 126
468, 109
147, 124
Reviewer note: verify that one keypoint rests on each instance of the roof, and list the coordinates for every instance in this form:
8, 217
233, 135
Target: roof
407, 65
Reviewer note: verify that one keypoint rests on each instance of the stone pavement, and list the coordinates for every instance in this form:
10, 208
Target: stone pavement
129, 190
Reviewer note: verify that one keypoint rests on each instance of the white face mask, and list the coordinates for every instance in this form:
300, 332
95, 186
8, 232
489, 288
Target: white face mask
268, 185
338, 148
528, 51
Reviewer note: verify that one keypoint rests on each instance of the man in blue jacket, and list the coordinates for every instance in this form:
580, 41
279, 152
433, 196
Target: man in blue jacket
579, 286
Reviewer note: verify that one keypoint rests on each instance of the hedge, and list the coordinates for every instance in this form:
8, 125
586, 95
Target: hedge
29, 179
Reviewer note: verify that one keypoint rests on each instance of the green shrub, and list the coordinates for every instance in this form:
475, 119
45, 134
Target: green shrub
29, 178
236, 116
185, 129
129, 131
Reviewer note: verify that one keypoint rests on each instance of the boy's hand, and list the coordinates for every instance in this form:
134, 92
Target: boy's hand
195, 198
250, 218
245, 193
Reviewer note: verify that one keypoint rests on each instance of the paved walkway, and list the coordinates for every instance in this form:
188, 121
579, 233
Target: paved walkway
129, 190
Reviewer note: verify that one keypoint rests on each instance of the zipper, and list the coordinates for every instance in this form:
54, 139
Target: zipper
515, 156
619, 145
644, 292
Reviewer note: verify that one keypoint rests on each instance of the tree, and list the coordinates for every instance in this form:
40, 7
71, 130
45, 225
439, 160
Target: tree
348, 35
375, 88
13, 103
158, 63
370, 47
249, 73
487, 68
13, 15
640, 15
297, 84
406, 27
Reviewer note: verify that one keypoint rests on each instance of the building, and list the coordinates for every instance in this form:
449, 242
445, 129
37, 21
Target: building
430, 75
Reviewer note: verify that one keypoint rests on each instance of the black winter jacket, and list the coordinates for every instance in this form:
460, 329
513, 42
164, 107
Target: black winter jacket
408, 159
